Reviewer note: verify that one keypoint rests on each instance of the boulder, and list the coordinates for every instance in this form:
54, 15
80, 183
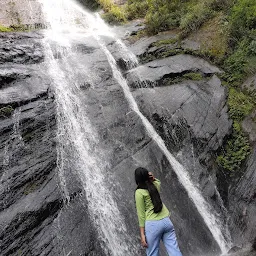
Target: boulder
152, 73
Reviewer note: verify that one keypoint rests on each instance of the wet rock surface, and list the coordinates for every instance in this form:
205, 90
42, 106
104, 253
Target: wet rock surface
191, 117
249, 126
21, 47
141, 46
242, 204
200, 107
247, 251
156, 71
33, 217
127, 145
242, 198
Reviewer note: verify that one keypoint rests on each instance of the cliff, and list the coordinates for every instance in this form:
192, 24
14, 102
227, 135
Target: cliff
183, 98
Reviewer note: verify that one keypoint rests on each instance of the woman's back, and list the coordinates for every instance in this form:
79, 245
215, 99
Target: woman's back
145, 207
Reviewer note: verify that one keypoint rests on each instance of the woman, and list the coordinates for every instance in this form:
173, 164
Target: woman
153, 216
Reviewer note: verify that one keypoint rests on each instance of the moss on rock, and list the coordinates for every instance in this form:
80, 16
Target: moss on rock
6, 111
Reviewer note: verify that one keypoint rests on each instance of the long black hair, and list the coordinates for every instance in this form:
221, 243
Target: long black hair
143, 181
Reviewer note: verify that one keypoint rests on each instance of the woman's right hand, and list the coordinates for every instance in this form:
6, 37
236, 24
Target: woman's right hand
151, 176
143, 241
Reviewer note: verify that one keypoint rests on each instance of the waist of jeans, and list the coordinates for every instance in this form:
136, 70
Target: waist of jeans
148, 221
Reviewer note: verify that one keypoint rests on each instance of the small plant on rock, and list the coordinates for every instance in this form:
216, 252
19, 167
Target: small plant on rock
5, 29
6, 111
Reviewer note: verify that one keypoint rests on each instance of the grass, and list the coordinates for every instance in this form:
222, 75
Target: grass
13, 28
195, 16
113, 14
215, 31
193, 76
165, 42
136, 9
5, 29
240, 104
181, 77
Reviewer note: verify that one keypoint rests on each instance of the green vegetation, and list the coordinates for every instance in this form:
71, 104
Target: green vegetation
6, 111
113, 14
193, 76
235, 152
166, 42
226, 33
231, 23
164, 14
136, 9
239, 64
237, 147
30, 188
13, 28
195, 16
180, 77
240, 104
243, 19
5, 29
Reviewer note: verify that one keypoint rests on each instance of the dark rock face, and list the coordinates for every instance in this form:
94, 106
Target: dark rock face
178, 111
19, 48
242, 194
191, 117
128, 145
141, 46
156, 71
247, 251
242, 204
33, 214
249, 126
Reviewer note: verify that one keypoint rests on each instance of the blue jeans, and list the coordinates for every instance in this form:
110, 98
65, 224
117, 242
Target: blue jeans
155, 230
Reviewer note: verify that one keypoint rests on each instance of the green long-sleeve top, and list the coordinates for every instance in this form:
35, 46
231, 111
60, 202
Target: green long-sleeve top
145, 207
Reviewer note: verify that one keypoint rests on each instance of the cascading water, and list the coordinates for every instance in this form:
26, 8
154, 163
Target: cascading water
77, 138
68, 22
15, 142
193, 192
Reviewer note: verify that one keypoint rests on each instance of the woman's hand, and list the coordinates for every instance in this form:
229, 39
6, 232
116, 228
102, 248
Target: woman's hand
151, 177
143, 237
143, 241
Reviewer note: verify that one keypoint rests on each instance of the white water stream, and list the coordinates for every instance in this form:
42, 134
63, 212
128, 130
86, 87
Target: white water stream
210, 219
68, 21
76, 137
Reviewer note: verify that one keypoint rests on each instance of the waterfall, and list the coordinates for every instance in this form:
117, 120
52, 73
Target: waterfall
77, 139
68, 22
210, 219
